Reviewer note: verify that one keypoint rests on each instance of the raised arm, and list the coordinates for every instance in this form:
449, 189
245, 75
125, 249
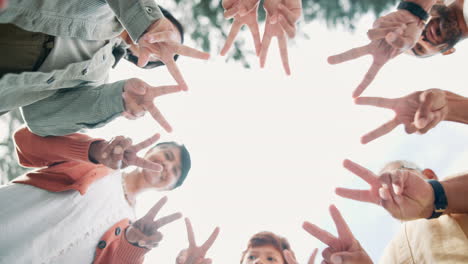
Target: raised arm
35, 151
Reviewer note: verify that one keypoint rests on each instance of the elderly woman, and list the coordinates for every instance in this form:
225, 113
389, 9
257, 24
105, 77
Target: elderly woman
73, 210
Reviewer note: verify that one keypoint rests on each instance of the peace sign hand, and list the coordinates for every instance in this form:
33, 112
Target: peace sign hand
144, 232
344, 249
392, 35
402, 192
162, 42
281, 19
418, 112
290, 259
244, 13
138, 97
196, 254
119, 153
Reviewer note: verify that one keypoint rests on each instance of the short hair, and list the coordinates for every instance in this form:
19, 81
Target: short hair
404, 164
266, 238
153, 64
185, 161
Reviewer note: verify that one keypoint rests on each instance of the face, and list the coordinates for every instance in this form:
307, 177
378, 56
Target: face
263, 255
168, 156
442, 29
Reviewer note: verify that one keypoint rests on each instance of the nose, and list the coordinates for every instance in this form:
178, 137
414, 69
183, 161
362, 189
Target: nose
258, 261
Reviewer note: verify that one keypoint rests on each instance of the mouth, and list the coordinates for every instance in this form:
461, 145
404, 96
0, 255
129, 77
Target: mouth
152, 178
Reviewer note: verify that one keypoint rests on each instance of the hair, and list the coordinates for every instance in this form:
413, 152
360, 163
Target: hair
268, 239
153, 64
185, 161
404, 164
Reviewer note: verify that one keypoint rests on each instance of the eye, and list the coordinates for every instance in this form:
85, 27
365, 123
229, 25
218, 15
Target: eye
167, 156
271, 259
251, 257
438, 32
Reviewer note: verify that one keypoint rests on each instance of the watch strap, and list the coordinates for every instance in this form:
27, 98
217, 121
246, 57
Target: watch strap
414, 9
440, 199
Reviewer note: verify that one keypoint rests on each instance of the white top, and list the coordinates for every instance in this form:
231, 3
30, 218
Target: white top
37, 226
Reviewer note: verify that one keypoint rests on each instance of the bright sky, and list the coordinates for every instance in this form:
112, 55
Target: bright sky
267, 149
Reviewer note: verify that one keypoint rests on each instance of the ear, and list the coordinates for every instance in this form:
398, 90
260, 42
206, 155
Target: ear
448, 52
430, 174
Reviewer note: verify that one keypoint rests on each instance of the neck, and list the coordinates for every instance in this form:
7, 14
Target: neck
133, 184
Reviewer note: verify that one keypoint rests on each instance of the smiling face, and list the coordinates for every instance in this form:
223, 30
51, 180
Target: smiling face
169, 156
441, 33
263, 255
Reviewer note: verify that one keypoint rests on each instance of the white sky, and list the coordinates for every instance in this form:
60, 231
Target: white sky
267, 149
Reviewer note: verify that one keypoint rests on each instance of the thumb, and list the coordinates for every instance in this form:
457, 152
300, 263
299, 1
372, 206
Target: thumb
348, 258
135, 86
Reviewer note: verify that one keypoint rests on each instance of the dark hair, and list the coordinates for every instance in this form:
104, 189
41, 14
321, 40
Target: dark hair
185, 161
153, 64
268, 239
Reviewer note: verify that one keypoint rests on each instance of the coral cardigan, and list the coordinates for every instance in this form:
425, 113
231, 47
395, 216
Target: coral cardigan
64, 164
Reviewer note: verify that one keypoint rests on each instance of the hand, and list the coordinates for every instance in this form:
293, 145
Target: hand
281, 20
244, 13
138, 97
418, 112
290, 259
392, 35
195, 254
144, 232
344, 249
119, 153
3, 4
162, 42
403, 193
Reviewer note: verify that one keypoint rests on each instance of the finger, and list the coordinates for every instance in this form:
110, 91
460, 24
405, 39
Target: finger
410, 128
399, 41
156, 114
167, 220
386, 24
343, 229
421, 119
321, 234
380, 131
145, 164
209, 242
190, 235
132, 107
129, 116
347, 257
288, 14
283, 46
289, 257
435, 120
231, 12
155, 209
143, 57
264, 49
163, 90
349, 55
191, 52
206, 261
176, 74
135, 86
254, 29
326, 253
312, 257
368, 78
379, 33
235, 28
376, 101
357, 195
165, 36
398, 181
246, 7
362, 172
288, 28
146, 143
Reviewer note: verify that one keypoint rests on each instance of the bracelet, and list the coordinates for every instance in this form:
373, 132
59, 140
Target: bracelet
440, 199
414, 9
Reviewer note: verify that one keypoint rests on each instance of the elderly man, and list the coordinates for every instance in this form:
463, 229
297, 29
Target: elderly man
436, 211
49, 47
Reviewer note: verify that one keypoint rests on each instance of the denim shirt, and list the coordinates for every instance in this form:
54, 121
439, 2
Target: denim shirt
69, 99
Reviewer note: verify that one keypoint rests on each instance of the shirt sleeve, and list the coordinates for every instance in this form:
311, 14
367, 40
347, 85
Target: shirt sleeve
71, 110
136, 16
35, 151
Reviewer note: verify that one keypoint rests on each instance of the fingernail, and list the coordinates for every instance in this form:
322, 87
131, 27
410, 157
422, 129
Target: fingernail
118, 150
336, 259
382, 194
391, 37
104, 155
397, 189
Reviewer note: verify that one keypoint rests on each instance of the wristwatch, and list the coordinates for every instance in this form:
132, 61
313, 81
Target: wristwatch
440, 199
414, 9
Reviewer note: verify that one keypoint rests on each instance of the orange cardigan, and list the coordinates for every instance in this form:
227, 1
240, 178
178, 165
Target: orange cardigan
64, 165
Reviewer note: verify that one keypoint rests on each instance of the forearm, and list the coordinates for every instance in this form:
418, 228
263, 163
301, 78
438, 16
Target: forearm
72, 110
458, 108
136, 16
456, 191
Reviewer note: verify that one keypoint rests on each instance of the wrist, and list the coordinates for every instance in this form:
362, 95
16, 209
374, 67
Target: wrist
439, 199
425, 4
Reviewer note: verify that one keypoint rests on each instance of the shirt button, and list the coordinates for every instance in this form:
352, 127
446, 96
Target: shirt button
149, 10
102, 244
85, 71
50, 80
117, 231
